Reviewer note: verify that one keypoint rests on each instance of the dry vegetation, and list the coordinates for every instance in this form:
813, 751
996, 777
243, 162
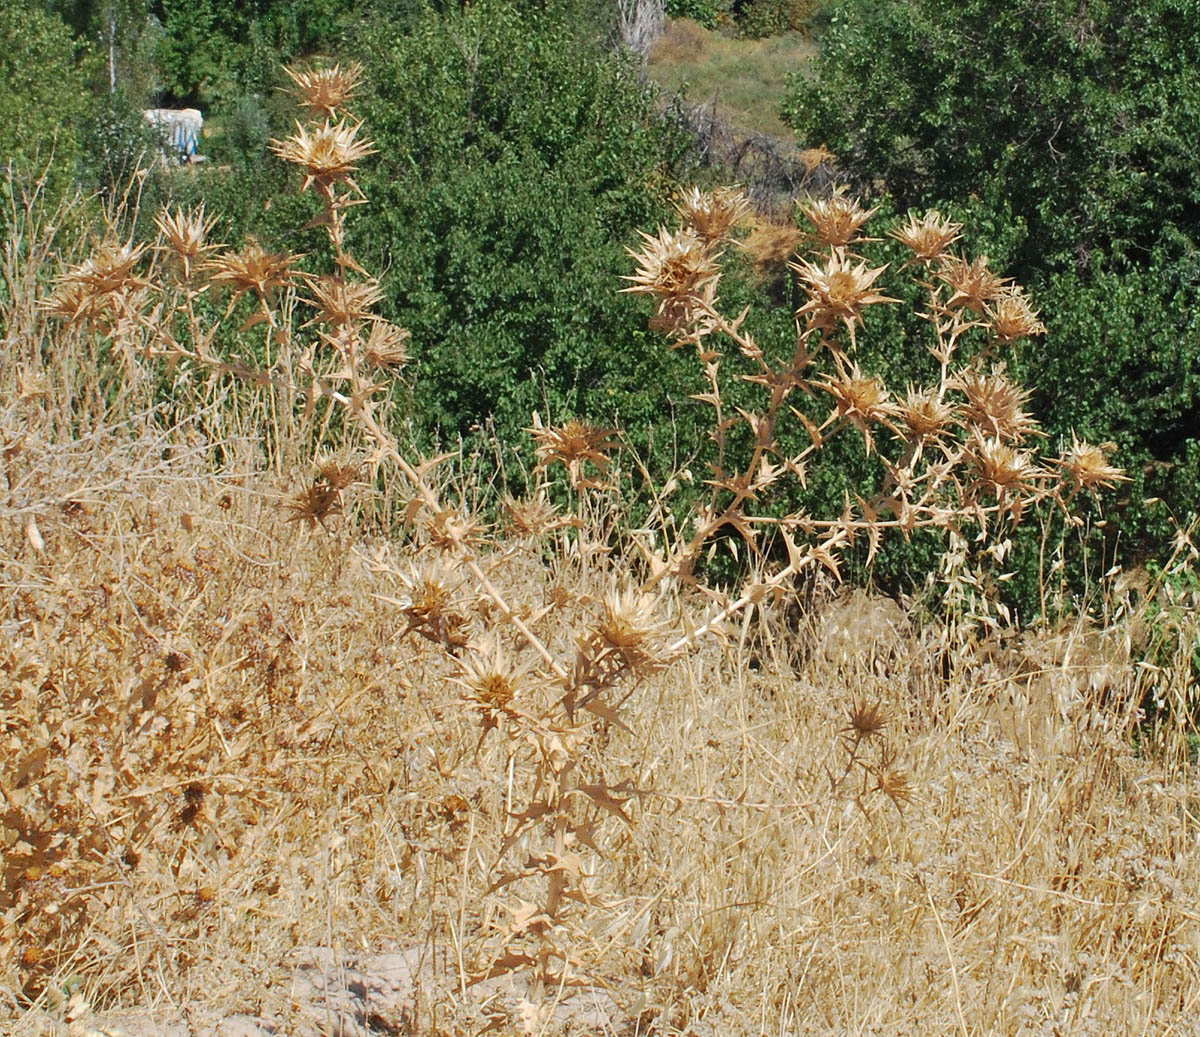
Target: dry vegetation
747, 78
252, 708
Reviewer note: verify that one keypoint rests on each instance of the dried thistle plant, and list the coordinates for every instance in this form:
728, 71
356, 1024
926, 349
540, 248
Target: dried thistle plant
326, 89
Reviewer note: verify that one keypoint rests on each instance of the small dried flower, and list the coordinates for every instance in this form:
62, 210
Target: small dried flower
342, 302
536, 516
186, 235
928, 236
429, 605
90, 291
324, 90
336, 473
839, 290
865, 720
678, 270
452, 531
996, 405
926, 416
895, 783
629, 628
490, 679
387, 345
1088, 465
836, 219
315, 504
1003, 469
1013, 317
975, 284
713, 214
253, 269
573, 445
329, 154
861, 398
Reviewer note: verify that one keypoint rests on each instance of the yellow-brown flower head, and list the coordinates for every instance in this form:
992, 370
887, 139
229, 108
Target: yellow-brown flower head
974, 284
430, 604
628, 627
861, 398
836, 219
573, 445
926, 416
1003, 469
253, 269
387, 345
1012, 316
103, 284
928, 236
343, 303
679, 270
838, 291
491, 680
995, 405
185, 233
330, 154
1088, 465
714, 214
323, 90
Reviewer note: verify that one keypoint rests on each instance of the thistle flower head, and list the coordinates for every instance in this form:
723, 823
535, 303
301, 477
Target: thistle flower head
928, 236
329, 154
1004, 470
429, 604
185, 233
323, 90
926, 416
995, 405
1012, 316
861, 398
864, 720
713, 214
973, 284
678, 269
573, 445
836, 219
1088, 465
838, 291
628, 626
253, 269
341, 302
491, 680
387, 345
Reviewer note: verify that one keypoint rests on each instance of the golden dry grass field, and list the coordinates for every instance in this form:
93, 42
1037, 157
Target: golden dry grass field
302, 734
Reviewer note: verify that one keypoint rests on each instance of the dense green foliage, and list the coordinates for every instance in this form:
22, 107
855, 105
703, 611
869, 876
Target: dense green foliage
1072, 129
42, 101
516, 160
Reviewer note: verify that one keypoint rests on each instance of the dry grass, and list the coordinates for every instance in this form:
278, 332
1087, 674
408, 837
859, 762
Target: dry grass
746, 77
240, 723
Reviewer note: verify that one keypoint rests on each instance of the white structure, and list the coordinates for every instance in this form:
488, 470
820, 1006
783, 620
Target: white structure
179, 129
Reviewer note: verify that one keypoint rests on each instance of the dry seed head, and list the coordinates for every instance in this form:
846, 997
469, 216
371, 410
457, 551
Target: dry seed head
1003, 469
995, 405
323, 90
926, 416
838, 291
429, 604
629, 627
865, 720
253, 269
812, 158
836, 219
861, 398
337, 473
490, 678
1088, 465
186, 234
1013, 317
974, 284
329, 154
713, 214
928, 236
387, 345
342, 302
895, 783
87, 291
573, 445
315, 504
452, 531
675, 267
533, 516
